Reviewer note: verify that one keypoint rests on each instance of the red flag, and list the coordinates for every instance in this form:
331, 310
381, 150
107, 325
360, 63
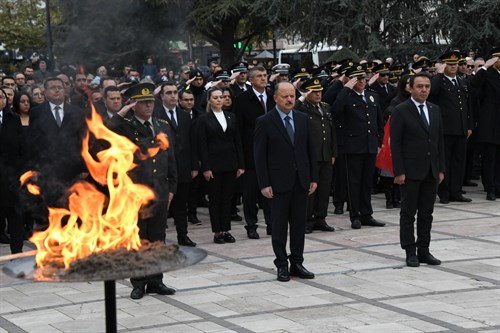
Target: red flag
384, 157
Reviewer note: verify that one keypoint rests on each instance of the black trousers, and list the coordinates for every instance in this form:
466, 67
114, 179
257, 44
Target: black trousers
455, 150
490, 167
15, 227
251, 199
152, 228
340, 182
194, 190
289, 208
220, 191
418, 197
178, 208
359, 169
317, 203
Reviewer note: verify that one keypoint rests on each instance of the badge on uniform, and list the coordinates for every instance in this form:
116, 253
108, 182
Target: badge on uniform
372, 99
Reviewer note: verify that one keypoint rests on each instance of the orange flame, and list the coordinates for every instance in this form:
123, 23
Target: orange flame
93, 222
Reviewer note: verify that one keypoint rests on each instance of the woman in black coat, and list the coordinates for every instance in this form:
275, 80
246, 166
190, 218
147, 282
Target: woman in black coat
221, 158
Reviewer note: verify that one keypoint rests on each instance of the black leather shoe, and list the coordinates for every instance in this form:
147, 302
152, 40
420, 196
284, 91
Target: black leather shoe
185, 240
137, 293
428, 259
300, 271
338, 211
283, 274
194, 220
491, 196
219, 239
356, 224
444, 201
461, 199
269, 230
469, 183
412, 261
159, 289
228, 238
323, 226
396, 204
309, 228
252, 232
236, 217
372, 222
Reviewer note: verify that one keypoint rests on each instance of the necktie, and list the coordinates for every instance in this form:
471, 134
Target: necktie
319, 110
455, 83
147, 124
289, 128
172, 119
262, 102
422, 115
58, 116
385, 88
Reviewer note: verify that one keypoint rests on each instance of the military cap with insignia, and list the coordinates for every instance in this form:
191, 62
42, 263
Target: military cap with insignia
302, 72
356, 70
450, 58
320, 73
393, 77
222, 75
141, 92
397, 69
432, 67
282, 69
462, 60
240, 67
495, 52
344, 67
382, 68
195, 73
313, 84
369, 66
422, 62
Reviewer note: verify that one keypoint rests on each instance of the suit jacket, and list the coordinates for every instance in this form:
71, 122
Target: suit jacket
362, 130
10, 157
486, 88
236, 90
454, 104
322, 129
416, 150
247, 109
385, 97
181, 137
277, 160
219, 150
52, 150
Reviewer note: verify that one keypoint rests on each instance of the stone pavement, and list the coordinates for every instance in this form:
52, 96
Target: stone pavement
361, 285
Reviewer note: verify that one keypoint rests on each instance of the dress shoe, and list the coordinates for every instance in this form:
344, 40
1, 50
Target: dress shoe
338, 211
236, 217
185, 240
219, 239
396, 204
269, 230
137, 293
469, 183
252, 232
321, 225
159, 289
283, 274
460, 198
356, 224
428, 259
300, 271
309, 227
491, 196
389, 205
372, 222
228, 238
412, 261
4, 239
194, 220
444, 201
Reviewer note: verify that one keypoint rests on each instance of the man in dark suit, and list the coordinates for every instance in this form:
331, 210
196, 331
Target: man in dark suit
287, 173
159, 172
180, 125
248, 106
451, 95
240, 73
417, 147
113, 103
54, 143
360, 112
486, 85
325, 142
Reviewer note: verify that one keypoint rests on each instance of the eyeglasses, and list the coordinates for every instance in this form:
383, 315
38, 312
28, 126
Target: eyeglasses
470, 66
385, 74
171, 92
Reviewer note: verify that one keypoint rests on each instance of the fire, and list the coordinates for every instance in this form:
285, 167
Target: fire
94, 222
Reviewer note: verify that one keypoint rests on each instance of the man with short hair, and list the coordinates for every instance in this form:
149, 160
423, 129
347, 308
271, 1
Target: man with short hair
9, 81
112, 101
20, 81
67, 86
417, 147
28, 71
42, 73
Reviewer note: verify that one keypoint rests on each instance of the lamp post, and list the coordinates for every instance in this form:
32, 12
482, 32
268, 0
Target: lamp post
49, 34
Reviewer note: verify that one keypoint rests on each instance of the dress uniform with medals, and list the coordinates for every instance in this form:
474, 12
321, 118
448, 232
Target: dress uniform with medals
324, 140
361, 115
158, 172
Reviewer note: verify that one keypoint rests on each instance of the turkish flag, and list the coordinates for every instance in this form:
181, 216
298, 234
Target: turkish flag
384, 157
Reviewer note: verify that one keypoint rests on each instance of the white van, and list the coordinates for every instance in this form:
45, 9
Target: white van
296, 54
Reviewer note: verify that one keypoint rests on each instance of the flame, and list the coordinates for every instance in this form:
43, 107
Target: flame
94, 222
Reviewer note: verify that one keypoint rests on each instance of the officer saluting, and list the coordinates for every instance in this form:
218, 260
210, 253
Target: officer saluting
159, 172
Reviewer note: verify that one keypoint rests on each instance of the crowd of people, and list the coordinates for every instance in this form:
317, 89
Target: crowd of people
284, 140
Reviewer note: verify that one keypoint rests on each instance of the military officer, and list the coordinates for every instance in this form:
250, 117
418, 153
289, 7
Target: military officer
159, 172
325, 142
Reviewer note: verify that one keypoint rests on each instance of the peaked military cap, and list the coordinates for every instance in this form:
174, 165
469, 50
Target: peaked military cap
282, 69
450, 58
422, 62
301, 72
495, 52
356, 70
313, 84
397, 69
382, 68
240, 67
195, 73
222, 75
344, 67
320, 73
141, 92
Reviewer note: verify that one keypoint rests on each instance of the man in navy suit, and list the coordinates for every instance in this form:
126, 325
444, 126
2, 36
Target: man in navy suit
418, 157
287, 173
